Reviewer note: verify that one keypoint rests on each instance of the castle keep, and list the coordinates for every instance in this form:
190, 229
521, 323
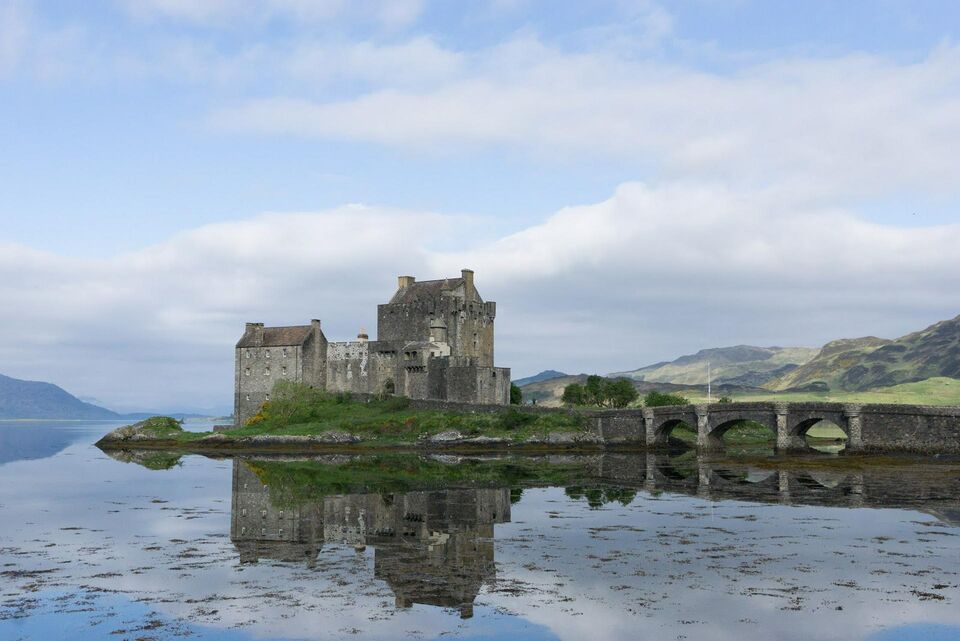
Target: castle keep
434, 341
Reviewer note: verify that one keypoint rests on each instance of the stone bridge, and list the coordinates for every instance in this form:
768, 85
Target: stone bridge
908, 428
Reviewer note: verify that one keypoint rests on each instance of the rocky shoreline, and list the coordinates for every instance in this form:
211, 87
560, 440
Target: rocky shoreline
137, 436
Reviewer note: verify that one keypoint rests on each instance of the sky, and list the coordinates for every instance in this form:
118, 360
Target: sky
631, 180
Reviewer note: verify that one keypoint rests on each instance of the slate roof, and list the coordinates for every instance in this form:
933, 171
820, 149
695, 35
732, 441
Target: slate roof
279, 336
426, 290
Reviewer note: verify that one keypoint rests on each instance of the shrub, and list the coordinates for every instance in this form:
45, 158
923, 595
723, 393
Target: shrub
661, 399
574, 394
516, 395
396, 403
512, 419
619, 392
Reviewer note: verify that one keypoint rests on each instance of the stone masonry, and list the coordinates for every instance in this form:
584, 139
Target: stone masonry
434, 341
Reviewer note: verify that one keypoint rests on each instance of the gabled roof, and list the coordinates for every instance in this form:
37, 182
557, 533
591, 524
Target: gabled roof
279, 336
427, 290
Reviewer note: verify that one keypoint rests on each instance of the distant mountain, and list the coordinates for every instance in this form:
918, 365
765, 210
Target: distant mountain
742, 365
33, 399
865, 363
545, 375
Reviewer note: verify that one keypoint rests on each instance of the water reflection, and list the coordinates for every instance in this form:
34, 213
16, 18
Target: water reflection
432, 547
568, 547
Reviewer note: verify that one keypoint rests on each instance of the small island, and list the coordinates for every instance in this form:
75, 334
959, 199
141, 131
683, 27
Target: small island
305, 418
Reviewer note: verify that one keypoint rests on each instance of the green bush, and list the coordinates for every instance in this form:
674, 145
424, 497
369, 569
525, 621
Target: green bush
661, 399
396, 403
513, 419
516, 395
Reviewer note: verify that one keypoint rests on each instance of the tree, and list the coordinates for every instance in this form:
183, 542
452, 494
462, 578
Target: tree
595, 394
516, 395
660, 399
574, 394
619, 392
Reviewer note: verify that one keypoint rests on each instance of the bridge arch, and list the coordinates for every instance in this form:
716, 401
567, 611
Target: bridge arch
720, 430
665, 427
799, 426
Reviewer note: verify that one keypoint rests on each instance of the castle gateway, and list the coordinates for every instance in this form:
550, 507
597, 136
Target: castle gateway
434, 341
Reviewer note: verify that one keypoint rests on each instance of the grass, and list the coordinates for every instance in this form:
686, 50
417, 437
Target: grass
299, 410
933, 391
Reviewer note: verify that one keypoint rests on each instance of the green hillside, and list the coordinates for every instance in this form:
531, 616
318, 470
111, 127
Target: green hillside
856, 365
740, 365
933, 391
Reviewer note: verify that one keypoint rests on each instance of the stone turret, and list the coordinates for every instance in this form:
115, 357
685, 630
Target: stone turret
438, 330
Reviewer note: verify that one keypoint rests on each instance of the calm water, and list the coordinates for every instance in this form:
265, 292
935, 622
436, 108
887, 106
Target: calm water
393, 547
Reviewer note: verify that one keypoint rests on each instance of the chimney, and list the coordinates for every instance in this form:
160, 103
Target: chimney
315, 326
256, 332
467, 275
405, 281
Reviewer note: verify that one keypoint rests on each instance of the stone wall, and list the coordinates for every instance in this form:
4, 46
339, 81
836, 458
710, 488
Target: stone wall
257, 370
348, 367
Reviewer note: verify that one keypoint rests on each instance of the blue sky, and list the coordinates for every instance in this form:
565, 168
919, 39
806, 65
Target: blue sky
592, 153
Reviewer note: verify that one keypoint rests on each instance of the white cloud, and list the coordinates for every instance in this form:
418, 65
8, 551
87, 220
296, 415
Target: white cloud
389, 13
14, 35
833, 127
649, 273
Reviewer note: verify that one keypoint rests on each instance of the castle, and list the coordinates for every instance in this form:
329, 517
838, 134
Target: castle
434, 341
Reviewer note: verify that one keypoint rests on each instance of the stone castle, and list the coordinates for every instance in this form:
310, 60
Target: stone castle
434, 341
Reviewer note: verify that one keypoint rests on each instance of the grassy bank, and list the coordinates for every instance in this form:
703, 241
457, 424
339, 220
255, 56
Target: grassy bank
299, 410
933, 391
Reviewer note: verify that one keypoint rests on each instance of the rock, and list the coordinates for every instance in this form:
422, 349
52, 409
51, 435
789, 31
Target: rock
217, 438
336, 437
151, 429
487, 440
572, 438
278, 439
449, 436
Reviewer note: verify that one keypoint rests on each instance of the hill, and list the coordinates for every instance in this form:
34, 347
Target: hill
34, 399
545, 375
741, 365
548, 392
868, 363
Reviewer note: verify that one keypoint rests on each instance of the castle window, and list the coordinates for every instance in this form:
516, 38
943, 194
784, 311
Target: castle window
263, 531
263, 513
248, 397
246, 372
268, 397
267, 353
283, 371
266, 372
243, 530
243, 512
284, 352
247, 353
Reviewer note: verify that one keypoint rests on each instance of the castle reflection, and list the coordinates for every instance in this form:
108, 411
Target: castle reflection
435, 545
432, 547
